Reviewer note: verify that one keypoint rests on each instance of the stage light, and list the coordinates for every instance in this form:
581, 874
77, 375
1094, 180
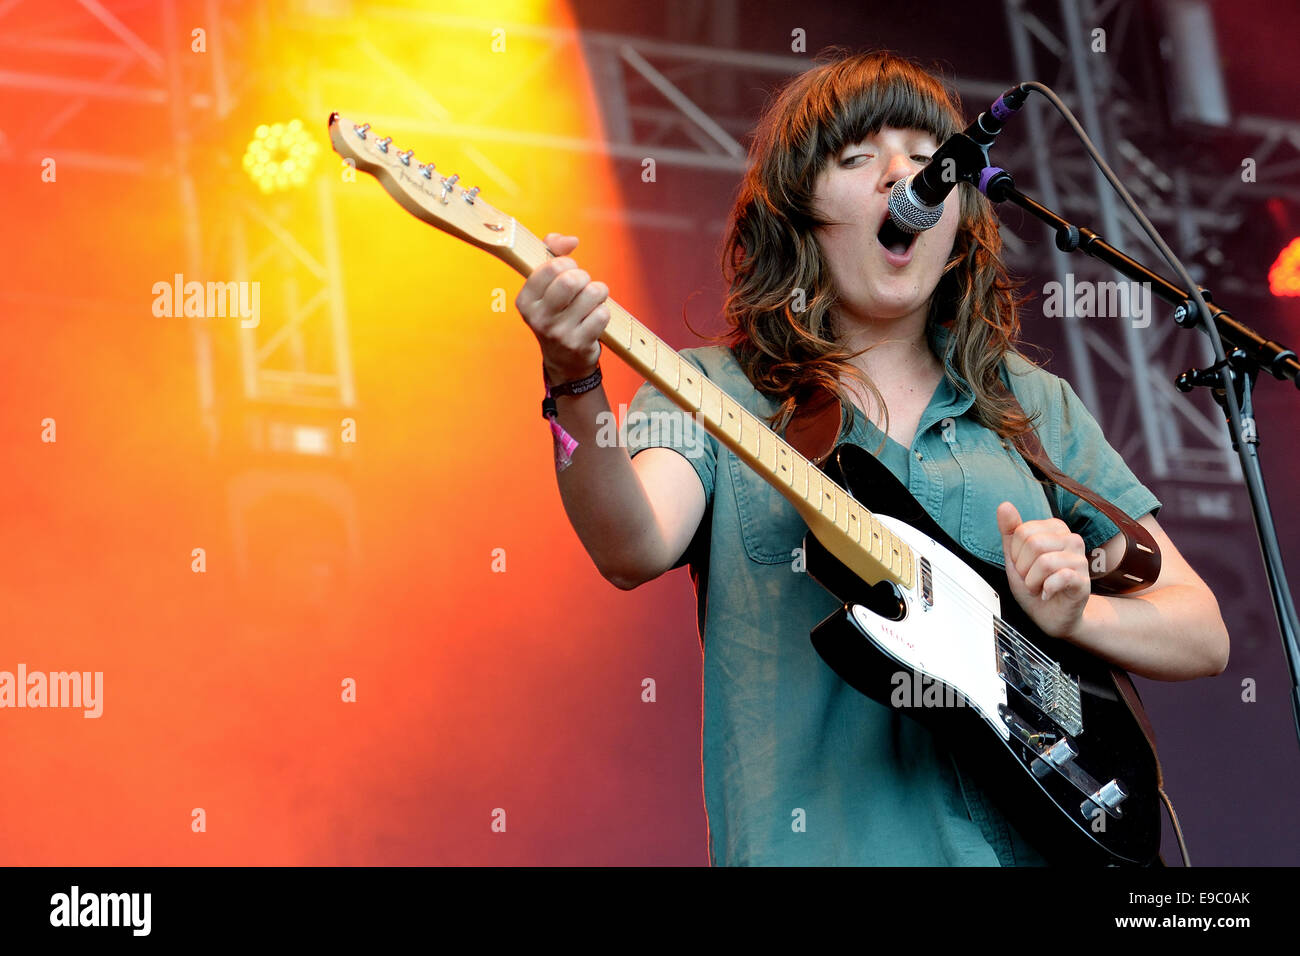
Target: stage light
1284, 274
280, 156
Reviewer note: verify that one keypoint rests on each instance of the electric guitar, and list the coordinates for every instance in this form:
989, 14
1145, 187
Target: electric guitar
1042, 724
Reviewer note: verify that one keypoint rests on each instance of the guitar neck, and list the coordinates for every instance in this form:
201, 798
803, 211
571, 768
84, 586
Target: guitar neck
847, 530
844, 526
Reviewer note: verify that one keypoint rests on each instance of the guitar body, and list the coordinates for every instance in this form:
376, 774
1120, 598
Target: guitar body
934, 652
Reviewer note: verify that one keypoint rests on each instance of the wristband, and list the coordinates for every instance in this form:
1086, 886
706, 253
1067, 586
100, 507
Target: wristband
564, 442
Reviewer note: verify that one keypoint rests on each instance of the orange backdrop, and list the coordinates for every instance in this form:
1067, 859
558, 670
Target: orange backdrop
476, 689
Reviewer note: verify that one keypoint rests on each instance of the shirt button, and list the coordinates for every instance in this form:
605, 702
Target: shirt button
918, 456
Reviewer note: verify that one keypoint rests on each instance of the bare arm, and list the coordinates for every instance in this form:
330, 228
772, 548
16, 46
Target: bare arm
636, 516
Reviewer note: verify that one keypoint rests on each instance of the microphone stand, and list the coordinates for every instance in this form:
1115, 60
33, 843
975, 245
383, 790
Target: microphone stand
1230, 379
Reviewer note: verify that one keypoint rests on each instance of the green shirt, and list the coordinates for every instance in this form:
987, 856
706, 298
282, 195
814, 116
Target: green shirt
799, 768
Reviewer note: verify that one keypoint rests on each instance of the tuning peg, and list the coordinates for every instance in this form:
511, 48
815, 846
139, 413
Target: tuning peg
427, 171
471, 195
447, 183
383, 143
361, 130
405, 157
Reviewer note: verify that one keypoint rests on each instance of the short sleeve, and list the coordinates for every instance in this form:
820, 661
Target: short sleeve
654, 421
1088, 458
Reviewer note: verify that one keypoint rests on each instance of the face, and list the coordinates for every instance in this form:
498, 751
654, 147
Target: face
874, 284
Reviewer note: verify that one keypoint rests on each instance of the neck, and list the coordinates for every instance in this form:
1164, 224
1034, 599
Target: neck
895, 347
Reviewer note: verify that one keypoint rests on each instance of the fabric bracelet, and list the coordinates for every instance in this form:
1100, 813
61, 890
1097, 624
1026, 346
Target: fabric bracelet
564, 442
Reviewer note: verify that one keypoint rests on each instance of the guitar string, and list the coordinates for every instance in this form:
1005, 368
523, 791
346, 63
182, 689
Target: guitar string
969, 601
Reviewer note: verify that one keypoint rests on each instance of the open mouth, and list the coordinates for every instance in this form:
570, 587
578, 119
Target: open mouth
894, 239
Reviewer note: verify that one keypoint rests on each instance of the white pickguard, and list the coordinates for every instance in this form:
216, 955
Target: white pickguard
952, 640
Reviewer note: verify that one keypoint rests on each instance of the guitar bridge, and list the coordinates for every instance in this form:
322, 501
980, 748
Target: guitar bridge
1040, 680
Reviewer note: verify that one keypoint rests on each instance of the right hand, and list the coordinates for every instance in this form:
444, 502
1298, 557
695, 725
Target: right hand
566, 312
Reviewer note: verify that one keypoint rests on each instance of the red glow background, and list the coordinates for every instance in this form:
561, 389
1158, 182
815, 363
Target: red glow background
476, 689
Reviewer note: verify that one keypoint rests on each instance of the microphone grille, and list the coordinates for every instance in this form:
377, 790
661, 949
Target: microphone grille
908, 214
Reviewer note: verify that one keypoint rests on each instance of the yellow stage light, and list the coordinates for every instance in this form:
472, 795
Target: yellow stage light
280, 156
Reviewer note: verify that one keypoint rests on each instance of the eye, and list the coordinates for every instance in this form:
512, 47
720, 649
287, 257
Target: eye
921, 158
848, 160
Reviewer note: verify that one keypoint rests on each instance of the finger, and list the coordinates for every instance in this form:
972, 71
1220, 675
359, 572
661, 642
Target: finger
562, 291
1067, 581
1029, 549
1046, 565
594, 322
592, 295
1008, 520
539, 281
560, 244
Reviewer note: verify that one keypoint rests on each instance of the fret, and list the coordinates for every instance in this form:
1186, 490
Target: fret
749, 438
799, 476
643, 344
669, 366
710, 401
690, 386
767, 450
813, 492
730, 420
876, 547
620, 327
855, 523
784, 458
842, 510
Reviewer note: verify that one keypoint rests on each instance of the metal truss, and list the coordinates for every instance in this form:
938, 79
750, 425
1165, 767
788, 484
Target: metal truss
1181, 439
134, 78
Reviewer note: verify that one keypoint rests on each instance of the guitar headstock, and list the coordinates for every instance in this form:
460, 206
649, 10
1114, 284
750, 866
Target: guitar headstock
426, 193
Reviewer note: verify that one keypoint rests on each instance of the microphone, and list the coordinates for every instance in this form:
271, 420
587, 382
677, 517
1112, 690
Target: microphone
916, 203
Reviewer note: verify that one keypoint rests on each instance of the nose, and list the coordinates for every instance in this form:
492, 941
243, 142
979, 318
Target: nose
899, 166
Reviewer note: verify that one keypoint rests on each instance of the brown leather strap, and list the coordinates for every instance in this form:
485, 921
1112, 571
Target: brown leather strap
815, 425
1140, 566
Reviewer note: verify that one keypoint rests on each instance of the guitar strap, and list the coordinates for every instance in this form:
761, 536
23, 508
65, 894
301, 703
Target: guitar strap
1140, 566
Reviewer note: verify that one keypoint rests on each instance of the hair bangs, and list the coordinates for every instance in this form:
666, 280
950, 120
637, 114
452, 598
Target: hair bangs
861, 98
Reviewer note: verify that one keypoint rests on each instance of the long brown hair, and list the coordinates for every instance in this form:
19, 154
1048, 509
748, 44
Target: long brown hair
780, 293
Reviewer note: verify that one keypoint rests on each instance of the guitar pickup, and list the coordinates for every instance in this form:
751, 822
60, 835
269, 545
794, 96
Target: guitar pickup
927, 583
